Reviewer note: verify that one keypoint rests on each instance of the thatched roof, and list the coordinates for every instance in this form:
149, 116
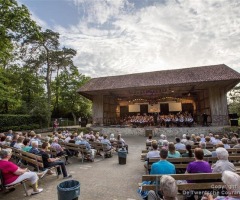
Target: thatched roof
162, 78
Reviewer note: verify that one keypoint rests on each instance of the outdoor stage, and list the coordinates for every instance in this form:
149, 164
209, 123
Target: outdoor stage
156, 132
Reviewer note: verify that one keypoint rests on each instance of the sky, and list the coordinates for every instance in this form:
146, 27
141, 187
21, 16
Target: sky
115, 37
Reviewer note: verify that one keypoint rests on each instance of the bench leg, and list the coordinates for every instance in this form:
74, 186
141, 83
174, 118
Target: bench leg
25, 189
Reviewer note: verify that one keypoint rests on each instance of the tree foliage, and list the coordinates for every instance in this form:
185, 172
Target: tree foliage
234, 100
37, 76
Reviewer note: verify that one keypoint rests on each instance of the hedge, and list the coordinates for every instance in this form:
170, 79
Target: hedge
18, 122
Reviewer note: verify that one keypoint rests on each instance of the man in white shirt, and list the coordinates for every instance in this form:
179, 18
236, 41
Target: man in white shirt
179, 145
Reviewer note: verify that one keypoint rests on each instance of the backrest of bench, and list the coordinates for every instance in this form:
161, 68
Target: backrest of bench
210, 178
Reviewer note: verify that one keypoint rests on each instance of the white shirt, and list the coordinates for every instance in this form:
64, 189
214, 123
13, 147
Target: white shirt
153, 154
180, 146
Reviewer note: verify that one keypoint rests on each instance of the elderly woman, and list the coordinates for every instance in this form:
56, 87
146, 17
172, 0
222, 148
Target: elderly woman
232, 182
168, 189
222, 164
12, 174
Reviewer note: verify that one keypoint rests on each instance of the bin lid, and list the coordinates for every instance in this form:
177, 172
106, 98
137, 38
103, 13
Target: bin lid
68, 185
122, 150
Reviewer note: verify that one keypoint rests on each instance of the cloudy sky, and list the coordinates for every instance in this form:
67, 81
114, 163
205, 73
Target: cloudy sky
115, 37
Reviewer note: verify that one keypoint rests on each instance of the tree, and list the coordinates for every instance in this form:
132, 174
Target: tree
63, 62
69, 100
15, 25
44, 50
234, 100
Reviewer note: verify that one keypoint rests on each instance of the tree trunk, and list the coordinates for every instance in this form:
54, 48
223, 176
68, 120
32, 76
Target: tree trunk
48, 80
74, 118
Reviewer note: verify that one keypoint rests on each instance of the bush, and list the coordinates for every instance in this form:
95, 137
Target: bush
18, 122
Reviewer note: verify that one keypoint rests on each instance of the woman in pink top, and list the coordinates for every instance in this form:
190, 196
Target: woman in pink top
12, 174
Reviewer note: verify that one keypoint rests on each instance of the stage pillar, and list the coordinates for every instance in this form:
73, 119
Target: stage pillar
218, 106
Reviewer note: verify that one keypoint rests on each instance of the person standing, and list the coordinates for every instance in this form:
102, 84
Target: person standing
55, 125
205, 116
79, 121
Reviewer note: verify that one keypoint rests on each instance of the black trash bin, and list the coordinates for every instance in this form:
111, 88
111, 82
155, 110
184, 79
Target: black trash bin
122, 156
68, 190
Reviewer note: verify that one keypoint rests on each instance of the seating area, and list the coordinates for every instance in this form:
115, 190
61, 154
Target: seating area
196, 182
128, 176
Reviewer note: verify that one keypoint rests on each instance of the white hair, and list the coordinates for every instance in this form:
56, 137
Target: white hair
34, 143
202, 135
112, 135
203, 145
169, 187
165, 143
232, 181
222, 153
184, 136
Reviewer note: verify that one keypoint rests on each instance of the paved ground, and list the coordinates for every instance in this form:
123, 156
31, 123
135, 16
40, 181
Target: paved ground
102, 179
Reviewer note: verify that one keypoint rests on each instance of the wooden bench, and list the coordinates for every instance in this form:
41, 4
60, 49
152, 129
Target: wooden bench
81, 148
200, 182
97, 146
181, 163
232, 152
33, 160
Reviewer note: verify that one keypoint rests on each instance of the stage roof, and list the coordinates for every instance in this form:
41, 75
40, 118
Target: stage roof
163, 82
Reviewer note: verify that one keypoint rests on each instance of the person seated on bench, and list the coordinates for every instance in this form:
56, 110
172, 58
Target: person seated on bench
189, 141
122, 141
232, 182
168, 189
60, 151
26, 145
149, 140
163, 166
214, 153
90, 153
206, 152
237, 146
172, 153
199, 165
189, 152
151, 154
222, 164
12, 174
162, 139
179, 145
107, 142
34, 148
51, 162
225, 143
